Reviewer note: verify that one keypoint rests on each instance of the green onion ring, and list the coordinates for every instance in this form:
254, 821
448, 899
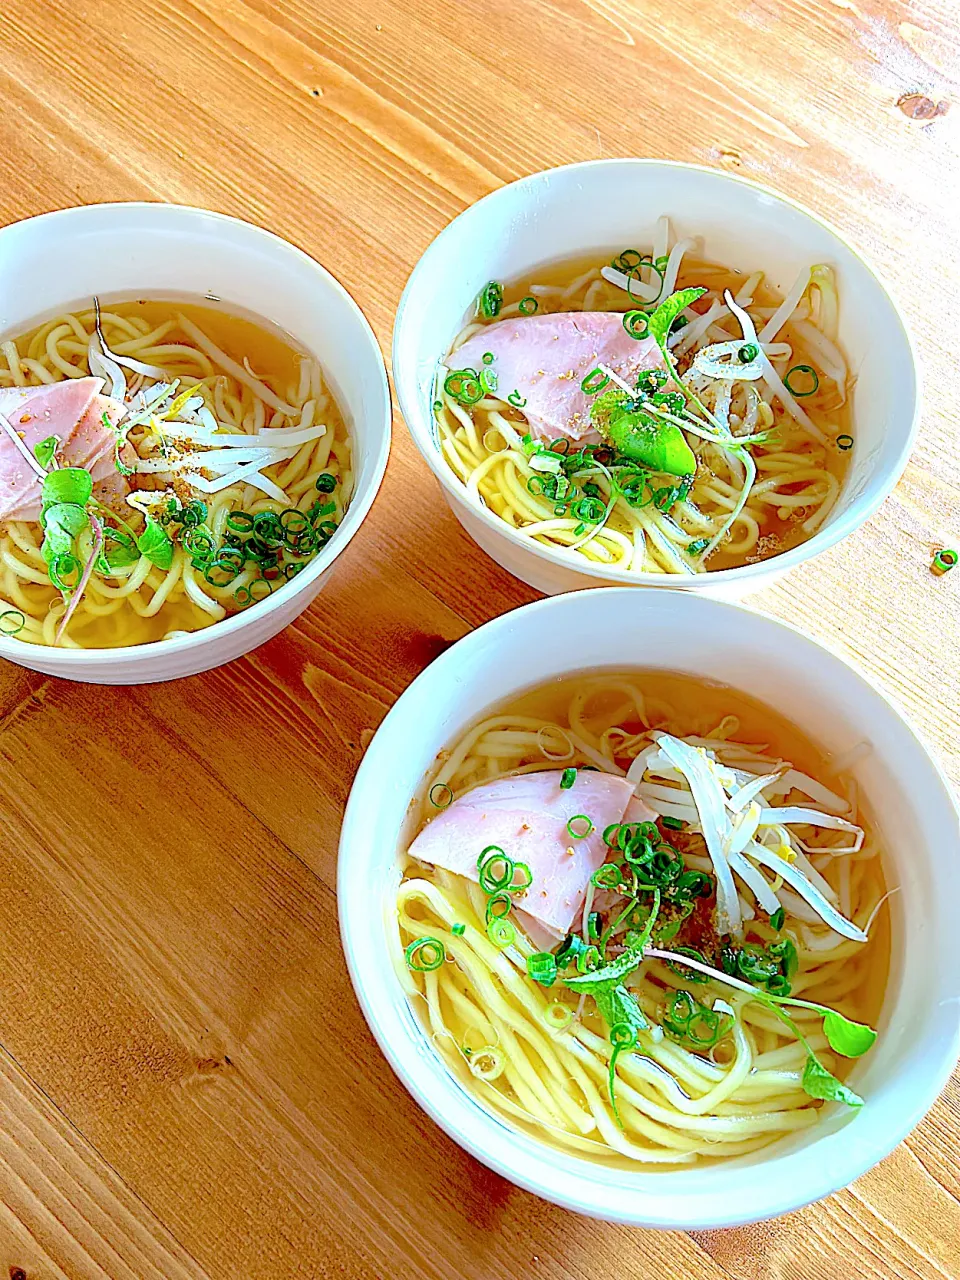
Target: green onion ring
425, 954
805, 371
12, 621
637, 324
440, 795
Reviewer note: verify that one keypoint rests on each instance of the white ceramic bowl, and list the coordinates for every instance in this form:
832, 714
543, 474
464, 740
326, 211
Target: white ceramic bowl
914, 811
59, 260
599, 207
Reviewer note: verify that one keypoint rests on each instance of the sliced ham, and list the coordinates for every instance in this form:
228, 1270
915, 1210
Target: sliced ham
545, 359
526, 816
85, 422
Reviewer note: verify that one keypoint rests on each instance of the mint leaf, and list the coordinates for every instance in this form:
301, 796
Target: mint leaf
617, 1007
847, 1037
155, 544
819, 1083
663, 317
69, 484
600, 980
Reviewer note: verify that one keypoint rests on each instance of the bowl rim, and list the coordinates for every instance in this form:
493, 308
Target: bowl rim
645, 1209
360, 504
752, 575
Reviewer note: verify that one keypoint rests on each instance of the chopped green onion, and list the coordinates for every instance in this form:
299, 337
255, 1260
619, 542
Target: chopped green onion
12, 621
637, 324
579, 826
488, 357
516, 399
748, 352
689, 975
593, 925
488, 381
944, 561
498, 906
594, 382
629, 260
486, 1063
458, 930
293, 521
495, 870
698, 546
440, 795
222, 565
490, 300
242, 521
844, 442
542, 968
425, 954
528, 306
501, 933
609, 876
437, 406
675, 824
806, 372
777, 919
463, 385
558, 1016
588, 510
567, 779
569, 950
526, 877
692, 884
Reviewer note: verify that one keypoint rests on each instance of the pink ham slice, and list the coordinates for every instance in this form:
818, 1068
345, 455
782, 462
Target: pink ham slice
73, 410
545, 359
527, 816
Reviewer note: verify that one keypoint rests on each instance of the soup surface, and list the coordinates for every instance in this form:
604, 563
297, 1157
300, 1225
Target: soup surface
162, 465
724, 445
643, 918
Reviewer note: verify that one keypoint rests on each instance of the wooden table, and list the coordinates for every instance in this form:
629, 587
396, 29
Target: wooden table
187, 1088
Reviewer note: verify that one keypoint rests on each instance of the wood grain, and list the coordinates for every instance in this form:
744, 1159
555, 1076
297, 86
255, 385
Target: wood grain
187, 1088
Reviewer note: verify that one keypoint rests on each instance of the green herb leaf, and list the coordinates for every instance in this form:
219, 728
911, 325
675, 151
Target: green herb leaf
119, 550
819, 1083
45, 451
618, 1007
610, 975
69, 484
61, 522
155, 544
847, 1037
663, 317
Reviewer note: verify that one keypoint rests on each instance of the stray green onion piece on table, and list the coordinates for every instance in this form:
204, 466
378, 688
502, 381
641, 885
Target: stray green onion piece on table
944, 561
